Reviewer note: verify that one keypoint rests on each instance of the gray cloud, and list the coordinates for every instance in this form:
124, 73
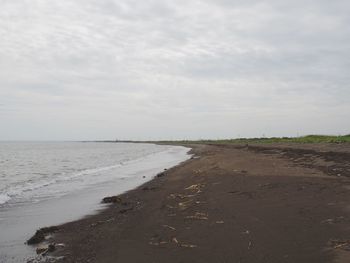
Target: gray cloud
173, 69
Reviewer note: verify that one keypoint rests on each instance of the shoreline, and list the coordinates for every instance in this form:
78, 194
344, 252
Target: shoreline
19, 222
232, 204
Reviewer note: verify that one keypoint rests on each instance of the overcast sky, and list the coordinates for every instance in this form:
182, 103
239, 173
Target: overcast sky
159, 69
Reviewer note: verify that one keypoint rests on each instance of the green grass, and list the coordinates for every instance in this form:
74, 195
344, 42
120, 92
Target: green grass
302, 139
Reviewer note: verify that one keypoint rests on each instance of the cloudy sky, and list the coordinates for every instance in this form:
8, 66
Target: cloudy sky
161, 69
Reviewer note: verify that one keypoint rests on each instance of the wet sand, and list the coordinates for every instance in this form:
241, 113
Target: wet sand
273, 204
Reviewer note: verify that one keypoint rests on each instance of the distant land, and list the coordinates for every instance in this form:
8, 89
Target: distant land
300, 139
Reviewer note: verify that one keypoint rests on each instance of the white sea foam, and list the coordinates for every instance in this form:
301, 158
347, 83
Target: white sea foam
4, 198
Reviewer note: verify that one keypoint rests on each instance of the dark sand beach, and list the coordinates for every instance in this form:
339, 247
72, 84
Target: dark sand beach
230, 203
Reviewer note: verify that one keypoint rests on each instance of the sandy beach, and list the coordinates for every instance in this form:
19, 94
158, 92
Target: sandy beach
230, 203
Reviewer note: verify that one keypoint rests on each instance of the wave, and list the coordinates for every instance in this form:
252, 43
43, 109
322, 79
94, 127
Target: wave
47, 183
17, 191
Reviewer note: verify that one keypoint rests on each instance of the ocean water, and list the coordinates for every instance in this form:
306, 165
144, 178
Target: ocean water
49, 183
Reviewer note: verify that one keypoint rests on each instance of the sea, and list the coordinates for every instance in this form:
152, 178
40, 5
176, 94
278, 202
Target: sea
50, 183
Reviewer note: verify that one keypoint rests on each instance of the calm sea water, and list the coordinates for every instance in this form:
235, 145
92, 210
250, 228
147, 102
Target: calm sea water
47, 183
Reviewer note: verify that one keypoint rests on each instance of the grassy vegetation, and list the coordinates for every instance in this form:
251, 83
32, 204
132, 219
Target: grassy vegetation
303, 139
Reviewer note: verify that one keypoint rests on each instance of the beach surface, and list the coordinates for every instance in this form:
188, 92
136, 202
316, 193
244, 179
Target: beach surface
230, 203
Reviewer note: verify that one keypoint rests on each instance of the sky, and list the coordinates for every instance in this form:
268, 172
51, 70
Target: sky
161, 69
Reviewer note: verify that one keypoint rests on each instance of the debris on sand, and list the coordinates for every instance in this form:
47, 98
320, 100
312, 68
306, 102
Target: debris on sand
111, 199
340, 244
43, 250
334, 220
180, 196
220, 222
247, 232
185, 205
41, 234
161, 174
250, 245
188, 245
172, 196
174, 240
157, 243
198, 216
170, 227
194, 187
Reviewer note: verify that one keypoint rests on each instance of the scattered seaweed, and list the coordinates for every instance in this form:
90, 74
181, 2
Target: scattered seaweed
41, 234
